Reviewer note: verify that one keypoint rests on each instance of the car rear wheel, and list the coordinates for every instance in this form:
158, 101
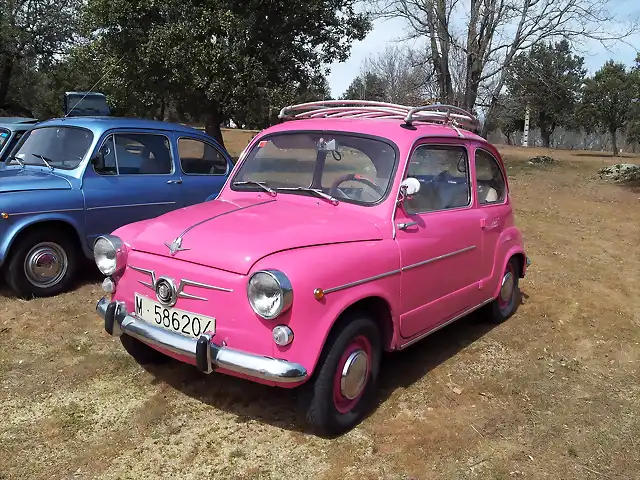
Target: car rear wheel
42, 263
506, 303
344, 386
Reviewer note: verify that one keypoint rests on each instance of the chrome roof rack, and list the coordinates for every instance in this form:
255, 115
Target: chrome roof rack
433, 113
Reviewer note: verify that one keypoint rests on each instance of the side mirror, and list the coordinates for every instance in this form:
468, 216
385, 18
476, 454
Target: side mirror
409, 187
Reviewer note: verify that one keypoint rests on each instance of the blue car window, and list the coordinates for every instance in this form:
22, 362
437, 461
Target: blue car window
4, 136
200, 158
61, 147
142, 154
108, 165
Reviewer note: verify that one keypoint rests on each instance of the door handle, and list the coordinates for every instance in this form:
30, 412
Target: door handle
404, 226
174, 181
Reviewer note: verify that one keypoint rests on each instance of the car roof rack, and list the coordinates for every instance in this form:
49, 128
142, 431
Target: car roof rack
433, 113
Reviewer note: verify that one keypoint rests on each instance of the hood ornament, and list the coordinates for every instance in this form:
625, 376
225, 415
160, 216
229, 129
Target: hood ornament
176, 246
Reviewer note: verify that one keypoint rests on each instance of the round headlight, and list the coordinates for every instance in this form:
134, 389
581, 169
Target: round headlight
269, 293
109, 254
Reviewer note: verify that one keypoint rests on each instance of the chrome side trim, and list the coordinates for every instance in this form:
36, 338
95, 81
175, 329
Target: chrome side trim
202, 349
393, 272
435, 259
448, 322
103, 207
48, 211
183, 283
360, 282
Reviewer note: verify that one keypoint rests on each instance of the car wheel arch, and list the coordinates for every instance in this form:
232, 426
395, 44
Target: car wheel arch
27, 227
375, 306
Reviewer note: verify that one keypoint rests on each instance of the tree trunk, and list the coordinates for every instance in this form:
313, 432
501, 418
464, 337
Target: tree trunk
509, 141
5, 78
212, 125
614, 142
545, 134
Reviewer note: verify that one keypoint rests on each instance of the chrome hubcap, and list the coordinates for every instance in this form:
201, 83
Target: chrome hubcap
506, 291
354, 374
45, 264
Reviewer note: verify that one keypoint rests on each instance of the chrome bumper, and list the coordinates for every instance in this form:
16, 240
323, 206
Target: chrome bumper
206, 354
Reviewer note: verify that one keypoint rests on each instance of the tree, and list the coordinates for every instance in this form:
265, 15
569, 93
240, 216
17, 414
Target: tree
508, 117
489, 34
32, 33
607, 99
262, 108
367, 86
207, 56
548, 79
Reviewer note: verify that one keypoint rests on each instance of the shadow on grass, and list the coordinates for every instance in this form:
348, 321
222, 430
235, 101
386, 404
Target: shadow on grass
633, 186
277, 406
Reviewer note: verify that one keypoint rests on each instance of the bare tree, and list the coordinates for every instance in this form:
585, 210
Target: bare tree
472, 43
405, 74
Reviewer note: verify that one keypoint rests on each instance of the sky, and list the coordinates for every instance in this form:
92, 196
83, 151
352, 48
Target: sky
390, 31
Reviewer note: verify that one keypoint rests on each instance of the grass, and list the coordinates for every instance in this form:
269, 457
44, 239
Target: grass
552, 393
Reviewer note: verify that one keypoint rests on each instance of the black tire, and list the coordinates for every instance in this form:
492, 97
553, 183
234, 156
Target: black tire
500, 310
141, 352
65, 249
317, 402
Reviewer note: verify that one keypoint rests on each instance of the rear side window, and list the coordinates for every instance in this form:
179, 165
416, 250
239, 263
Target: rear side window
444, 180
200, 158
492, 187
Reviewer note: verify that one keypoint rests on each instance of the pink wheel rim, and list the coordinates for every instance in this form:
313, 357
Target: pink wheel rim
507, 288
352, 374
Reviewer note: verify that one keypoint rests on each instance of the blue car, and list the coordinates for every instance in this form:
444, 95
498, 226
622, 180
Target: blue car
70, 180
11, 129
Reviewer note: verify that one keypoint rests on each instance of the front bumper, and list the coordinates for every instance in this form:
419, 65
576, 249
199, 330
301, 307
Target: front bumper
207, 355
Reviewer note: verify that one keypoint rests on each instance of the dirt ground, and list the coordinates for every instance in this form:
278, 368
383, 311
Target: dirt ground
552, 393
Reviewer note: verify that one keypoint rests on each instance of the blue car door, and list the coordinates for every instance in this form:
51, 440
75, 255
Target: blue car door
204, 166
134, 178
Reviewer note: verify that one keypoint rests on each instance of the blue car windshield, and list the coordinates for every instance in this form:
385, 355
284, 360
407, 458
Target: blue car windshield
57, 147
4, 137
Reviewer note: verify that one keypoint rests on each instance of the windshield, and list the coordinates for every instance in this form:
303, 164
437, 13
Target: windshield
347, 167
58, 147
4, 137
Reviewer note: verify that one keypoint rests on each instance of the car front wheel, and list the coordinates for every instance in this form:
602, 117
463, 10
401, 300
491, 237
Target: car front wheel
43, 263
345, 382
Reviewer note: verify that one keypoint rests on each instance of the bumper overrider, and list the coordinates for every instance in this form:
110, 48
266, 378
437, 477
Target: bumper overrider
207, 355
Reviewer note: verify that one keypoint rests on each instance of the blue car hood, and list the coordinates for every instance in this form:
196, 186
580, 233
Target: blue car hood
18, 180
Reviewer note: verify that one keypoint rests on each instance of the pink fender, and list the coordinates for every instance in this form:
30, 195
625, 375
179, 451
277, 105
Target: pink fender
509, 244
328, 267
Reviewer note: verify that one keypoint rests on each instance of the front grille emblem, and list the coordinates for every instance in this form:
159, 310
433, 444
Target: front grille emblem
166, 291
176, 246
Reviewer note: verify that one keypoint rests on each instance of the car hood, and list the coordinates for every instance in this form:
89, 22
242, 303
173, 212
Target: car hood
233, 236
17, 180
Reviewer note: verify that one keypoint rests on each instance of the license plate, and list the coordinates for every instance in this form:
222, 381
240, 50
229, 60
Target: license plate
172, 319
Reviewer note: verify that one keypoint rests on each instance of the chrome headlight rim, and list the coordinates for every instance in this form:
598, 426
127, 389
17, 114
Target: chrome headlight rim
286, 292
120, 254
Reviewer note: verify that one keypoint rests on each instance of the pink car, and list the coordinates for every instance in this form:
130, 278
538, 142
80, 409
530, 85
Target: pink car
349, 229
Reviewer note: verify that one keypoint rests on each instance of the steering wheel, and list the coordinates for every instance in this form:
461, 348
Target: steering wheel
358, 178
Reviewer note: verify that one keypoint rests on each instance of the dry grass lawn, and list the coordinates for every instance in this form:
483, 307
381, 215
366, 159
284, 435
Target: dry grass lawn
552, 393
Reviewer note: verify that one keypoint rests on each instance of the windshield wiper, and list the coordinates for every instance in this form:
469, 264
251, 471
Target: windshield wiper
44, 159
17, 160
264, 186
317, 191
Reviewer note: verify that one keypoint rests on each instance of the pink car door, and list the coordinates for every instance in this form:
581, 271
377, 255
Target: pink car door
493, 207
439, 236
